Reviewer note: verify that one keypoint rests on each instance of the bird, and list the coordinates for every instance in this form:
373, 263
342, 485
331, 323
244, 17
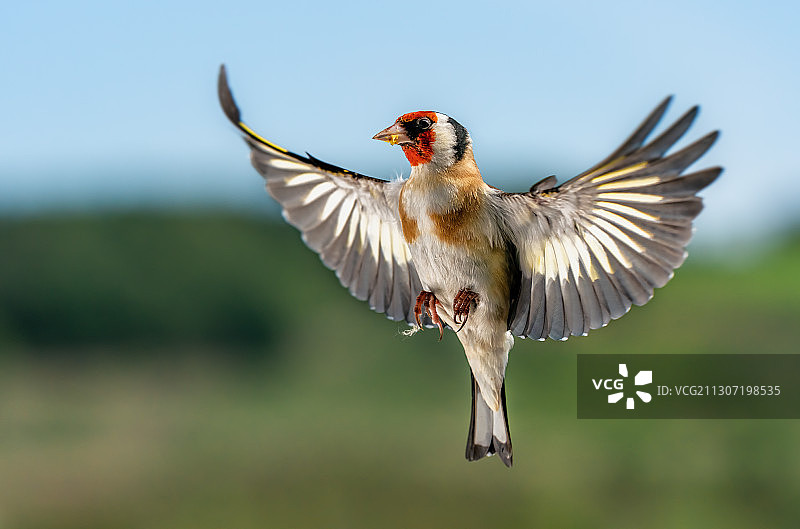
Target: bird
444, 249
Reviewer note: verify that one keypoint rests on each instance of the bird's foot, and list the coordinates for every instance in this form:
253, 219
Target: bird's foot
461, 304
429, 301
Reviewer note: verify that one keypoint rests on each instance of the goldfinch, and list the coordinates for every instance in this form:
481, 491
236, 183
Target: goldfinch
444, 248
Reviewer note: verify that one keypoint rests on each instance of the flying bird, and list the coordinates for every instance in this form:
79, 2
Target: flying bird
443, 248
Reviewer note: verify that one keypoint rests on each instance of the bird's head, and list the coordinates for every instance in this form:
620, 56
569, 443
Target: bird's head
428, 138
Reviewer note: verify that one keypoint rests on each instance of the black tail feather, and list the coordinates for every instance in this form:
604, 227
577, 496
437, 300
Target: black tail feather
482, 439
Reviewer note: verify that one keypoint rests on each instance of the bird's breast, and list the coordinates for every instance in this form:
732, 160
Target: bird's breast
451, 214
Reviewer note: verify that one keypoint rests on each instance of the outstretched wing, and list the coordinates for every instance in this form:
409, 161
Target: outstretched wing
349, 219
603, 240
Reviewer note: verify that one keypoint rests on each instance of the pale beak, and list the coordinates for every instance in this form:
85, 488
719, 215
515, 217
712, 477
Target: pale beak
393, 135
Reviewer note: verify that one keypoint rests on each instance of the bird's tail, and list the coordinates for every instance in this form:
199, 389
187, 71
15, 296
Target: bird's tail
488, 429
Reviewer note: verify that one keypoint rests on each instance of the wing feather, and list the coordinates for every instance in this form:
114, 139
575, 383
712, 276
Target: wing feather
592, 247
568, 270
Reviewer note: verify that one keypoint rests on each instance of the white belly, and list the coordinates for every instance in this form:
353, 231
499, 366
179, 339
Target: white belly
446, 269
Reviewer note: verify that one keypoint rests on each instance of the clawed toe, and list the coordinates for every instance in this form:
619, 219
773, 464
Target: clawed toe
461, 305
428, 301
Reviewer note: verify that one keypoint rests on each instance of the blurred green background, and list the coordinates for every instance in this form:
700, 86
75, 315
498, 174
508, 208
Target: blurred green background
203, 369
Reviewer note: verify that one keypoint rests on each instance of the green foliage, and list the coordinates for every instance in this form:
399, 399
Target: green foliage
142, 280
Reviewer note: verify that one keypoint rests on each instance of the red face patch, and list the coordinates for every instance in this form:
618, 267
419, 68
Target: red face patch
421, 151
411, 116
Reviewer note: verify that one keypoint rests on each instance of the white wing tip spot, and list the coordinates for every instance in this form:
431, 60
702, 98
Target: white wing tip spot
316, 192
280, 163
631, 197
302, 178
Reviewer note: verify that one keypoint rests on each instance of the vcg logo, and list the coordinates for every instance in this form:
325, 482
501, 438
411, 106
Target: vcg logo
617, 385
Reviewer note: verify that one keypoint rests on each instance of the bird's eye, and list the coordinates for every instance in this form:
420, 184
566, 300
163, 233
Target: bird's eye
424, 123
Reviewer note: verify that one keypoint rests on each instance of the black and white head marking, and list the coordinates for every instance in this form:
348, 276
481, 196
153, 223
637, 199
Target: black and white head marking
462, 140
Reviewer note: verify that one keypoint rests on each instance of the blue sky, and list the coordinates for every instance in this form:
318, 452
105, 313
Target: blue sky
109, 103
